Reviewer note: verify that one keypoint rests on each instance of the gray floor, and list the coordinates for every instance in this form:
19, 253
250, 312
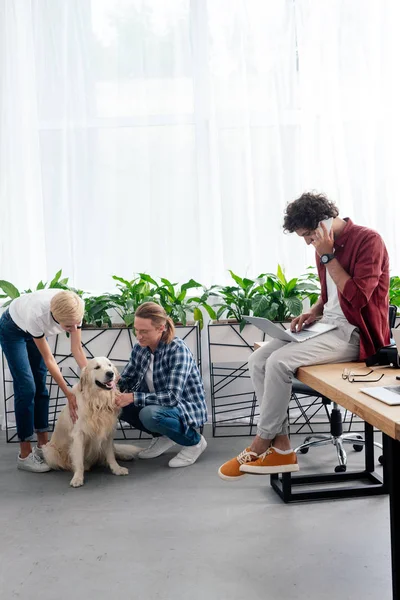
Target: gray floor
164, 533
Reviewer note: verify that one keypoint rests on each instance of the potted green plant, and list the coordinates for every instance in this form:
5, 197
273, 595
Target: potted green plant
236, 300
97, 311
278, 299
178, 305
11, 291
394, 291
131, 294
124, 302
270, 296
231, 339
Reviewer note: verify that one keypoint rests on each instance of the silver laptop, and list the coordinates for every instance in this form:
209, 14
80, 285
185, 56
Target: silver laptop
278, 332
389, 394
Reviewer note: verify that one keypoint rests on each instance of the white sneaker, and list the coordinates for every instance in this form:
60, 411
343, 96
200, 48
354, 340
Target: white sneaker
32, 463
39, 452
158, 446
189, 454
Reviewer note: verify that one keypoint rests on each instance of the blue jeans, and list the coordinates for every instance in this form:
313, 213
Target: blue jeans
28, 370
160, 420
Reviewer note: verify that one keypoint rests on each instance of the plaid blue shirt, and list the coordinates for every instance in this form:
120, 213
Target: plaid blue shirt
176, 379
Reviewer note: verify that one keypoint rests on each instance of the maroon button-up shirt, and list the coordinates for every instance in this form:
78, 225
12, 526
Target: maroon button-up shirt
365, 297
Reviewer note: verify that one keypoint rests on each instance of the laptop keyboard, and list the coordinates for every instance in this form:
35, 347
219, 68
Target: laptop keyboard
302, 335
394, 388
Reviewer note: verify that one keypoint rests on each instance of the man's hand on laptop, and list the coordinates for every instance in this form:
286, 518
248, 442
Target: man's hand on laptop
303, 320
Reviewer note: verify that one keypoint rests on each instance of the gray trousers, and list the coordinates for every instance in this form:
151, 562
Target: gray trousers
273, 366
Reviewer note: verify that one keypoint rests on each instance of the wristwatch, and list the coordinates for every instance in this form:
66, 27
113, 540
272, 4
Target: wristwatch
325, 258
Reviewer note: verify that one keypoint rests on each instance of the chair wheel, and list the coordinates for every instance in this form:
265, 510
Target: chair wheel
304, 450
381, 459
358, 447
340, 469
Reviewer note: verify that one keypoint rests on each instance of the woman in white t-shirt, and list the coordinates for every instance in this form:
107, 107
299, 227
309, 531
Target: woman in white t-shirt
24, 327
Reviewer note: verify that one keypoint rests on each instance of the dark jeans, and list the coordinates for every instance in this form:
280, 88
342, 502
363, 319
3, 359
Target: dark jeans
28, 370
160, 420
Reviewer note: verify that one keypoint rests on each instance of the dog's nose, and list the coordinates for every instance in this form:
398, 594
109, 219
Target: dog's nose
110, 374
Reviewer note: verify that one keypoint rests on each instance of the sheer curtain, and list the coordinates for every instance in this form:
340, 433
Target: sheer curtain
168, 136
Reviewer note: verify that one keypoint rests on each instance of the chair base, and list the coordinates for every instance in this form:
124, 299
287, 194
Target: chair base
357, 441
336, 438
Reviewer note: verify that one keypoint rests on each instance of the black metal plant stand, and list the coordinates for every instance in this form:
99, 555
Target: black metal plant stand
66, 362
234, 413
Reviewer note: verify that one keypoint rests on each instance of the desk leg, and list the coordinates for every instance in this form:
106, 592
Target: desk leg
369, 448
392, 464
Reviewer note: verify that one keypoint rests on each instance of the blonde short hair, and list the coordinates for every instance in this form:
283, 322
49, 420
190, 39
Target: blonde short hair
158, 316
67, 308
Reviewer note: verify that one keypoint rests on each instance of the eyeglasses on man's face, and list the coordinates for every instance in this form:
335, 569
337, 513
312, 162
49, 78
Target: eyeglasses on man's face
355, 377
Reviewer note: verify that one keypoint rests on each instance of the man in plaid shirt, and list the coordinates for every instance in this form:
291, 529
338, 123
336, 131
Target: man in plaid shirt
162, 390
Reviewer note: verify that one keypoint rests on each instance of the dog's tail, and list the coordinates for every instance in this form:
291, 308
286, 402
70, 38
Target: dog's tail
126, 451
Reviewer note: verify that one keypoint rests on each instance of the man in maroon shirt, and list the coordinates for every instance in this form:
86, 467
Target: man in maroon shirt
353, 268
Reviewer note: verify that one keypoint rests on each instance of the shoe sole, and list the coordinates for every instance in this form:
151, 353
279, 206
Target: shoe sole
150, 457
181, 465
229, 478
32, 470
270, 470
154, 455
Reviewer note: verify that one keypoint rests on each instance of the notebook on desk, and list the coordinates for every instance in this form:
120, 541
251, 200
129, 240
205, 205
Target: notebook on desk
276, 331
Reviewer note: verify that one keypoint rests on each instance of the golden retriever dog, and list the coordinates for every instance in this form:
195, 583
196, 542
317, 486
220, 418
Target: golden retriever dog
78, 446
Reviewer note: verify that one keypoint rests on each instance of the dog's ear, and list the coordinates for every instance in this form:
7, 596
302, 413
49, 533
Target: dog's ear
84, 379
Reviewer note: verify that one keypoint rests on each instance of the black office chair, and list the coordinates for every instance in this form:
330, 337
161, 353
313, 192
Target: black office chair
336, 436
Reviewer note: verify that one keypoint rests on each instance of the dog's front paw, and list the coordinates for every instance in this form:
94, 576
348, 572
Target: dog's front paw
76, 481
120, 471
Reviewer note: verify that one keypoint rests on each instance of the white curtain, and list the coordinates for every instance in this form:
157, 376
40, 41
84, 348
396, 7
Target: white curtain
167, 136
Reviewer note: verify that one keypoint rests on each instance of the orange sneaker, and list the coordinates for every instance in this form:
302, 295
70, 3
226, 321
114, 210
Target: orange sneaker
231, 469
271, 462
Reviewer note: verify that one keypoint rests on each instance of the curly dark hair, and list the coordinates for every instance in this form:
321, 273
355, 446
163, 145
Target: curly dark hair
308, 211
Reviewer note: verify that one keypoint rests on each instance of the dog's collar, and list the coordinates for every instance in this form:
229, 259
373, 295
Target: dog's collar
103, 386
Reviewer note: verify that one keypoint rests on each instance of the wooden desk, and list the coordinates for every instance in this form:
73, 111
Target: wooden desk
327, 380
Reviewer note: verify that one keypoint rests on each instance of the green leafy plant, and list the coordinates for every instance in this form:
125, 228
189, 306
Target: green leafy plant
11, 292
131, 294
144, 288
280, 299
96, 310
174, 300
270, 296
237, 299
394, 291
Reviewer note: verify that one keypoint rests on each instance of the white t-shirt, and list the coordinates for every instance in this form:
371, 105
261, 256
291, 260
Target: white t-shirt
31, 312
332, 308
148, 377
